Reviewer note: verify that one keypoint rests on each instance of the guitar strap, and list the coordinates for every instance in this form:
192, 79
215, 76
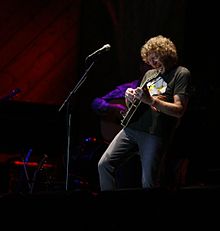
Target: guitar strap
151, 76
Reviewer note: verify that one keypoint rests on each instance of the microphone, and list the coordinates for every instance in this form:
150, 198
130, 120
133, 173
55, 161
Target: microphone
105, 48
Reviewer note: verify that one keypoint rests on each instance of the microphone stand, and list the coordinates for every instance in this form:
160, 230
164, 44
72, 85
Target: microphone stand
66, 102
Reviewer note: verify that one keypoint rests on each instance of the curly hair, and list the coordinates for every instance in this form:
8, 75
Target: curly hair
163, 48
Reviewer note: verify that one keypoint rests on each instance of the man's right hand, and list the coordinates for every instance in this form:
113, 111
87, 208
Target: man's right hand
129, 95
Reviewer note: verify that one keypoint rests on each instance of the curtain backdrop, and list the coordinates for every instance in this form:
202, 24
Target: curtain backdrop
43, 46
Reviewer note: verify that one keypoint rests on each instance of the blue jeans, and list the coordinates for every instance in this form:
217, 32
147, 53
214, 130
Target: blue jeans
151, 151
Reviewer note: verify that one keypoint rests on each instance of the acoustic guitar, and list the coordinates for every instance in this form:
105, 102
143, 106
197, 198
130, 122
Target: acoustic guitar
134, 106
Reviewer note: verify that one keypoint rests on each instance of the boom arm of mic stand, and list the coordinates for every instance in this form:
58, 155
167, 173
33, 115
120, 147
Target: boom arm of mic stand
81, 81
66, 101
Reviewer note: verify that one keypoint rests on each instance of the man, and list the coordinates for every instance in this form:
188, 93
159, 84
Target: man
154, 112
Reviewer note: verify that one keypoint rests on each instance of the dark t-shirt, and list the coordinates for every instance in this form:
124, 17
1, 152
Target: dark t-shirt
174, 82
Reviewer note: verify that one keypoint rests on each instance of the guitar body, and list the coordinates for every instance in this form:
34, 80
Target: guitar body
134, 106
130, 112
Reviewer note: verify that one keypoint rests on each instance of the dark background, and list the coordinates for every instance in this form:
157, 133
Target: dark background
43, 46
